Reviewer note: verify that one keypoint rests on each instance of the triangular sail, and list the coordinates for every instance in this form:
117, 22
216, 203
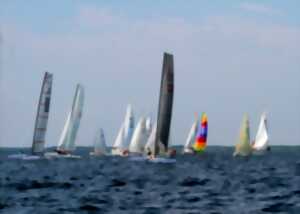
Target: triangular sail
165, 104
261, 139
68, 137
150, 145
125, 133
139, 137
41, 121
128, 127
201, 136
243, 146
100, 143
148, 126
191, 137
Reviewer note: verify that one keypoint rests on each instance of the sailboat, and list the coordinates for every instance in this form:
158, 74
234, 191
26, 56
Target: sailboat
66, 145
243, 147
201, 137
161, 141
188, 147
121, 145
139, 138
41, 121
100, 147
260, 145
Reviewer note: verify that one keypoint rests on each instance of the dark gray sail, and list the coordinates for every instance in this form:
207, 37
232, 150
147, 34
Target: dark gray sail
41, 120
165, 105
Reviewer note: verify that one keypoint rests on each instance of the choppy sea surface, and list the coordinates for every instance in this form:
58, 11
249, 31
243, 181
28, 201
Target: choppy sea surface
211, 183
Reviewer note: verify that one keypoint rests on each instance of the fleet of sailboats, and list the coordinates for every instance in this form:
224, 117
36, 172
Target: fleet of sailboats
146, 138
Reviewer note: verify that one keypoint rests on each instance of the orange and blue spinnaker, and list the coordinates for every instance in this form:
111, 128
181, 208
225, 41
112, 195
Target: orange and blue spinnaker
201, 136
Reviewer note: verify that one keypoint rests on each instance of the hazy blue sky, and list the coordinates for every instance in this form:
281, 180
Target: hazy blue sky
231, 57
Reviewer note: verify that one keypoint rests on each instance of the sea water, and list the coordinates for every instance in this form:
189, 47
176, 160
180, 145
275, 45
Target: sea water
214, 182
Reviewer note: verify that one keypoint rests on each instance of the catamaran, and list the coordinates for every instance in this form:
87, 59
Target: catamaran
100, 147
66, 145
161, 141
41, 121
201, 137
260, 144
121, 145
243, 147
188, 147
139, 138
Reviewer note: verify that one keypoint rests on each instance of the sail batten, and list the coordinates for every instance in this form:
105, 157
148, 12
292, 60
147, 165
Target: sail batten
41, 121
69, 133
165, 105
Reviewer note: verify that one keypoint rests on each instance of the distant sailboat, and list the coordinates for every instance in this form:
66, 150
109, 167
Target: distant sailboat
243, 147
139, 138
41, 121
201, 137
67, 140
121, 145
165, 106
188, 147
100, 147
261, 140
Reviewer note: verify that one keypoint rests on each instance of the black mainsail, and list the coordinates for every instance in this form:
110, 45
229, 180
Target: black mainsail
165, 105
41, 120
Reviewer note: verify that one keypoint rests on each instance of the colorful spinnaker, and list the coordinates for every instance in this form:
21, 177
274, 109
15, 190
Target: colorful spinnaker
201, 137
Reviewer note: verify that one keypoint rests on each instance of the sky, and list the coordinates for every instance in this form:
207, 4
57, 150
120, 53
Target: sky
231, 58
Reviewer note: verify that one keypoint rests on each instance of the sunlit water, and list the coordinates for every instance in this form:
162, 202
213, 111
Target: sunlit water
212, 183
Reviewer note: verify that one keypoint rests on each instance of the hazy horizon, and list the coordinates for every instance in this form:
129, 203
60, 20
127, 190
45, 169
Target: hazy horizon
230, 59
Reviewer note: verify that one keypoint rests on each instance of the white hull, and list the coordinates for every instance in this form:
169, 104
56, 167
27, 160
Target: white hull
51, 155
260, 151
188, 151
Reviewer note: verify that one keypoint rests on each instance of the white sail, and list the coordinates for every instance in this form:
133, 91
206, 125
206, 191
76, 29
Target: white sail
191, 138
148, 126
261, 140
125, 133
139, 137
68, 136
150, 145
38, 144
100, 143
128, 127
